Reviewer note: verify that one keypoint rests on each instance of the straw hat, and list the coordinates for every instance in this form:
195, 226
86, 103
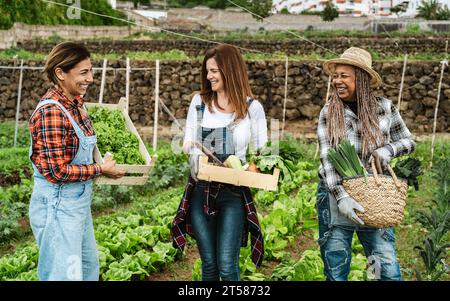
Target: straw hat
356, 57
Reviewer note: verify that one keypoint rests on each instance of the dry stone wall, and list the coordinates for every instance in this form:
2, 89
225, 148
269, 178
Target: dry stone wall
307, 87
386, 46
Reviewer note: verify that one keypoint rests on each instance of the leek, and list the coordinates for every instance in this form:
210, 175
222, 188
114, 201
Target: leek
345, 160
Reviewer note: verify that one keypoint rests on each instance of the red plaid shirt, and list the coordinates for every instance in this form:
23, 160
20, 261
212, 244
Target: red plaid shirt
55, 143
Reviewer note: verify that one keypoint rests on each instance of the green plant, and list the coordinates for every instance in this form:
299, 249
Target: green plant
441, 175
197, 270
7, 129
329, 12
345, 160
433, 10
412, 28
114, 137
284, 11
261, 8
410, 170
308, 268
266, 160
39, 12
433, 256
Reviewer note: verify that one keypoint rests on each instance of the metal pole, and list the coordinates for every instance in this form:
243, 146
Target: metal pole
102, 85
155, 113
19, 95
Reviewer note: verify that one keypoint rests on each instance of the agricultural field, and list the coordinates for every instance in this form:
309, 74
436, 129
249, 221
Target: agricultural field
132, 224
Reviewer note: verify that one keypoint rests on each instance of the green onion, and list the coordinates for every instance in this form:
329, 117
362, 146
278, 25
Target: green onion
345, 160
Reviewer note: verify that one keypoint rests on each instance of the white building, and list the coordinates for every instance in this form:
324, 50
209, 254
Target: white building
413, 5
351, 7
112, 3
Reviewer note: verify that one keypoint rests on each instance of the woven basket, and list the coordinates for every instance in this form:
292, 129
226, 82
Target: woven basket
383, 197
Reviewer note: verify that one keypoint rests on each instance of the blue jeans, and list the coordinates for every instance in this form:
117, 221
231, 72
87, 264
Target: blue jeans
336, 245
219, 237
61, 220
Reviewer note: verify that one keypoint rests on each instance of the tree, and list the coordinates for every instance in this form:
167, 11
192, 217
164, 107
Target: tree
433, 10
444, 13
428, 9
262, 8
399, 8
284, 11
330, 12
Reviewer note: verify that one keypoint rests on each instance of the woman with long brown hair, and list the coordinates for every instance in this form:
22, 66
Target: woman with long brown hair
224, 119
374, 126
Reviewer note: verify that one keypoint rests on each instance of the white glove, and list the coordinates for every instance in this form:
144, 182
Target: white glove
347, 207
385, 155
194, 155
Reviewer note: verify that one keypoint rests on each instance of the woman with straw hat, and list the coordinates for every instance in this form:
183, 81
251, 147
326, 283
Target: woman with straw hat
374, 126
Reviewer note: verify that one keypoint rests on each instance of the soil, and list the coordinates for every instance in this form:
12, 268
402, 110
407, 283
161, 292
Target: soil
181, 270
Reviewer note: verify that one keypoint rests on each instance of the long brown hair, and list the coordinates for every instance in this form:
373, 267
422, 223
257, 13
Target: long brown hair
368, 123
65, 55
233, 70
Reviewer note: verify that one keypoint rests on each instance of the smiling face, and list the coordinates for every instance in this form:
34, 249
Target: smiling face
76, 81
344, 81
214, 76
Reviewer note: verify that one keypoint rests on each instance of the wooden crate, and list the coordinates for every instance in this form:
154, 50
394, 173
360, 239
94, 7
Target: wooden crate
140, 169
209, 172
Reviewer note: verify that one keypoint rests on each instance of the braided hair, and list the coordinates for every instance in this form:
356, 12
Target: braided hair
368, 123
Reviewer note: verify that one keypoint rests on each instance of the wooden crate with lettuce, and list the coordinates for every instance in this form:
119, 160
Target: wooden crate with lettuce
263, 170
116, 135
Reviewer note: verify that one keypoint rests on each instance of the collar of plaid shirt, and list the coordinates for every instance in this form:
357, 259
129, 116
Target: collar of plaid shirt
181, 224
57, 93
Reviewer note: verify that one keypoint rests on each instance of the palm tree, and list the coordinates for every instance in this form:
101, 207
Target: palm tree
429, 9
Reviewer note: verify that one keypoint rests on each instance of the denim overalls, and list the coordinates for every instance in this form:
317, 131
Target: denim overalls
61, 220
218, 236
335, 240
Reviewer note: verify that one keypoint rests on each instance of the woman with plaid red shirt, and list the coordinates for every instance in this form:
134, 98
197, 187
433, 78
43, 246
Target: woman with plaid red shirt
61, 151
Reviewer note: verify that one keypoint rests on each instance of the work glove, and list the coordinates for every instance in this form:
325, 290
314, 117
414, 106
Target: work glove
347, 208
194, 156
384, 155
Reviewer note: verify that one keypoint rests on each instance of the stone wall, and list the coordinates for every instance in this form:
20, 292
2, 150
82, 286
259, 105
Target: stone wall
386, 46
23, 32
307, 87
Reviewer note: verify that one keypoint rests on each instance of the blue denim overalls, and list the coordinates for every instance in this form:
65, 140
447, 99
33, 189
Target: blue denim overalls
335, 241
218, 236
61, 220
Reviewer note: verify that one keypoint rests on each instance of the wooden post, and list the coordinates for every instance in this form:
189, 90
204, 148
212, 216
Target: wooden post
155, 113
400, 93
102, 85
444, 63
127, 87
285, 95
328, 89
19, 95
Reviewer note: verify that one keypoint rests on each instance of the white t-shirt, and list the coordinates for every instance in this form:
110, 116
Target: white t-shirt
256, 125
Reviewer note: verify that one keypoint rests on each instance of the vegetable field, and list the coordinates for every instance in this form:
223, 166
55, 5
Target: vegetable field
132, 223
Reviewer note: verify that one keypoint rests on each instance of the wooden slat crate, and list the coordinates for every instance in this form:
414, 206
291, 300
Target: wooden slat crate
139, 169
209, 172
